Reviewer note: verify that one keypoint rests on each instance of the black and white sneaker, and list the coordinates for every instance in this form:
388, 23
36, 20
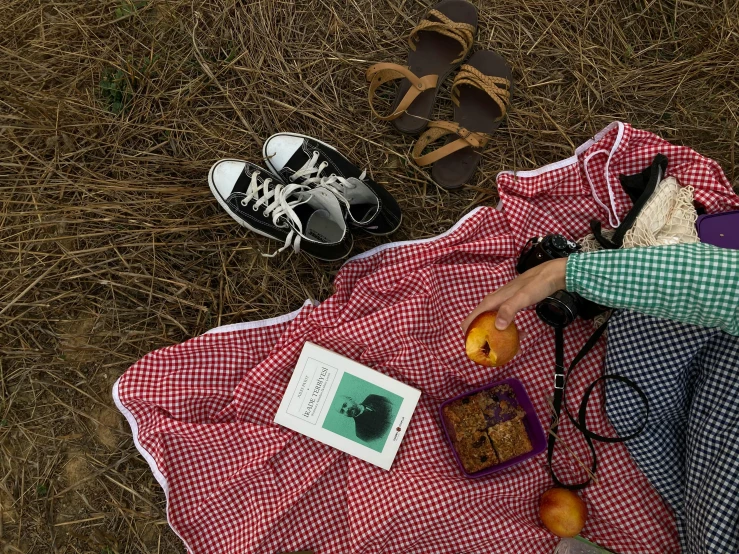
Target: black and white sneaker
308, 161
305, 218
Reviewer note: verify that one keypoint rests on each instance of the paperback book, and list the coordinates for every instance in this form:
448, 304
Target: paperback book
347, 405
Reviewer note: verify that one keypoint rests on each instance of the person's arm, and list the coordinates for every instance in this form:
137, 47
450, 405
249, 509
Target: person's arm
692, 283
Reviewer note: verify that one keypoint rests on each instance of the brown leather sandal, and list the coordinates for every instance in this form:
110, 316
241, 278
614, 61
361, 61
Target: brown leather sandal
438, 45
481, 93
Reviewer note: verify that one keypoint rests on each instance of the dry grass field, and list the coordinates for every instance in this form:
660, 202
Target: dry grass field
111, 245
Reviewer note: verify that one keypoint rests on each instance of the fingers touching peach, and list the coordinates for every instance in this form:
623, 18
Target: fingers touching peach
487, 345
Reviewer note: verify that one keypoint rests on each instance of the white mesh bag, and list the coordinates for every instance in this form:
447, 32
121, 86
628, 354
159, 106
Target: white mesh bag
668, 217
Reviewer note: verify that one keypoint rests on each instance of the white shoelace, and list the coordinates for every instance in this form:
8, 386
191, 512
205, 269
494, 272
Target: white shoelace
277, 202
312, 175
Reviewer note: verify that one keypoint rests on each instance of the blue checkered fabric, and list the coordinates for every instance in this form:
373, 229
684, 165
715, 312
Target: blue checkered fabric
690, 448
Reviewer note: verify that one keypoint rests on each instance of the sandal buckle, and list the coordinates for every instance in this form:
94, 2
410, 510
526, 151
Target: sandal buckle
464, 133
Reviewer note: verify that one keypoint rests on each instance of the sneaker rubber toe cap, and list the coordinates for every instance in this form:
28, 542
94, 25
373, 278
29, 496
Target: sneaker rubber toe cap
223, 176
279, 148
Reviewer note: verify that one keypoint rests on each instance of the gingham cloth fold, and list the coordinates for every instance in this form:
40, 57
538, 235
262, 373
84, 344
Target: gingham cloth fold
201, 412
690, 447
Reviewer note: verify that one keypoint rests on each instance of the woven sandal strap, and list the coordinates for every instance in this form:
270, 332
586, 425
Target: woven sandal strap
381, 73
439, 129
463, 33
498, 88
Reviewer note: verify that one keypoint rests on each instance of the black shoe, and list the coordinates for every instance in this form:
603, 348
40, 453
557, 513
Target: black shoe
307, 161
307, 219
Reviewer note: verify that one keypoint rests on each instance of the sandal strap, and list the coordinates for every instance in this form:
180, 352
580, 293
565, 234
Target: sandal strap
498, 88
463, 33
381, 73
438, 129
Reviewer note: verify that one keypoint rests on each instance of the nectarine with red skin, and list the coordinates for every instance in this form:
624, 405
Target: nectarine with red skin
563, 512
486, 345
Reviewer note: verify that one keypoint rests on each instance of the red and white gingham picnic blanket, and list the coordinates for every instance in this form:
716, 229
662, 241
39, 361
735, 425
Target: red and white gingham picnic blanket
201, 412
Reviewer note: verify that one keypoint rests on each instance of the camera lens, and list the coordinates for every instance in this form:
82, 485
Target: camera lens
558, 310
559, 243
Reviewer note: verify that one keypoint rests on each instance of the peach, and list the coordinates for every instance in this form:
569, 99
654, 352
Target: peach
487, 345
563, 512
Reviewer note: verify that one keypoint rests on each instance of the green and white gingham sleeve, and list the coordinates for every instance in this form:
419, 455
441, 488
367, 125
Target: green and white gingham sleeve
691, 283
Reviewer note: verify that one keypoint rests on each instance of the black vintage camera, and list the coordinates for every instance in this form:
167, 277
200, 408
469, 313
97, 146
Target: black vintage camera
542, 249
561, 308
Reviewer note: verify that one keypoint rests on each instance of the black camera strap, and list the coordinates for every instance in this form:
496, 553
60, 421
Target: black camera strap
561, 376
640, 188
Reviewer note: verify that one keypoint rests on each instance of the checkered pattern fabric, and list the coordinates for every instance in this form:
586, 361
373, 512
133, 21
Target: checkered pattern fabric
201, 412
690, 447
692, 283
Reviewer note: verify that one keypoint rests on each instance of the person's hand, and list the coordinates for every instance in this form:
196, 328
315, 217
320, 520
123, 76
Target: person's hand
526, 289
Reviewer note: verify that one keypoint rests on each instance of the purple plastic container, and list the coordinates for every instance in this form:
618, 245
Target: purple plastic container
531, 423
719, 229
